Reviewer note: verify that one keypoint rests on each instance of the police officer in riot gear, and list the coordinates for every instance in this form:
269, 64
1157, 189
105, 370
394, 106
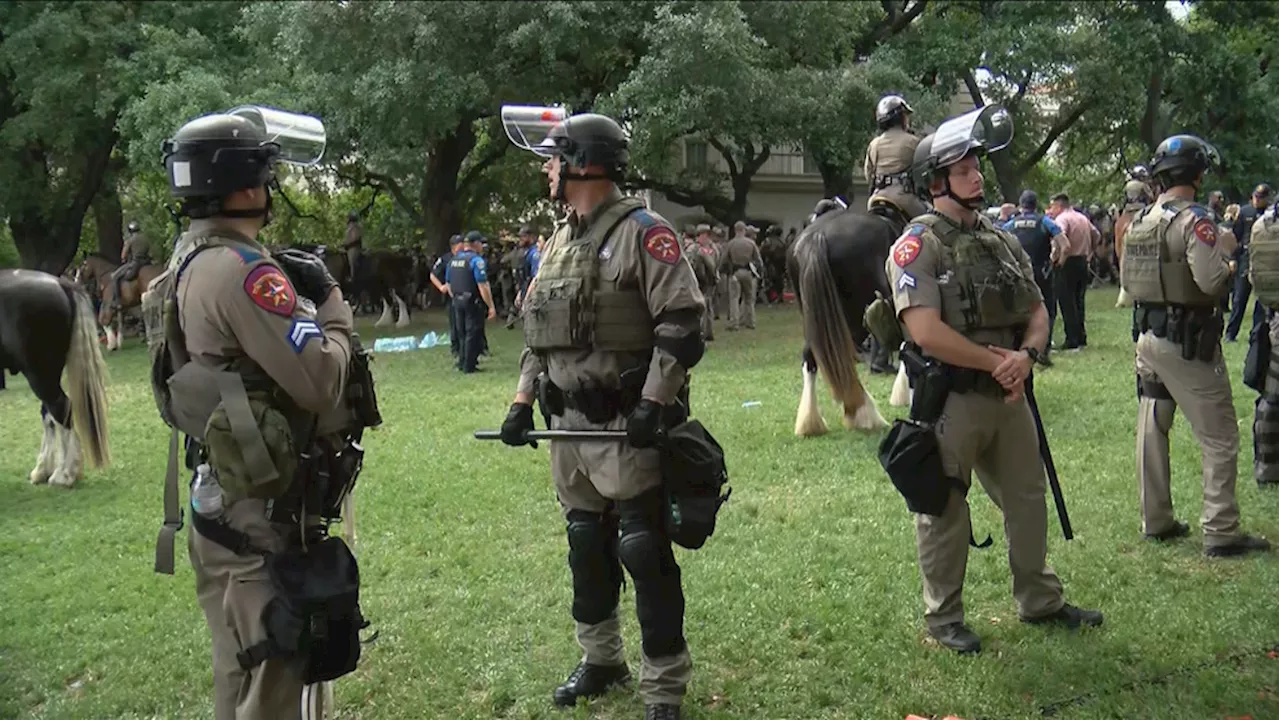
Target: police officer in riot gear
1176, 273
625, 366
887, 165
966, 296
251, 359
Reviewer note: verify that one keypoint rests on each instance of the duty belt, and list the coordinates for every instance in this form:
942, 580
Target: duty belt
965, 380
599, 405
1166, 321
884, 181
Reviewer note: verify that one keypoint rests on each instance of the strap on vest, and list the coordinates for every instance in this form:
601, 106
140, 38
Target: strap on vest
245, 429
172, 511
226, 536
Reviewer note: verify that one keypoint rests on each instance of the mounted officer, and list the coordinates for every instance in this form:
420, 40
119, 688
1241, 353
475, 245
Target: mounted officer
974, 324
1176, 273
255, 362
135, 255
353, 244
887, 166
611, 326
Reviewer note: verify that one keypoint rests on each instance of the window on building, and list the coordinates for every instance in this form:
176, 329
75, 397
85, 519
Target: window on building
810, 165
695, 154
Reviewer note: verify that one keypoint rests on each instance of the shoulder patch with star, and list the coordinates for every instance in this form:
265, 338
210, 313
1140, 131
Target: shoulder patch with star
270, 290
661, 244
1206, 232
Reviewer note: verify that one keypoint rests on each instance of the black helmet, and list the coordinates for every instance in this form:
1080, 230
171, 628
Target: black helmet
1184, 151
1028, 200
216, 155
890, 109
353, 216
589, 139
133, 226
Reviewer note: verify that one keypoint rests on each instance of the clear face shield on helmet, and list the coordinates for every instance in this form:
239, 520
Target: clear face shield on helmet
301, 138
527, 127
986, 129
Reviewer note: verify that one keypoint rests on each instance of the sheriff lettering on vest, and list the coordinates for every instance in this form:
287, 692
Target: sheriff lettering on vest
612, 319
966, 293
255, 362
1176, 270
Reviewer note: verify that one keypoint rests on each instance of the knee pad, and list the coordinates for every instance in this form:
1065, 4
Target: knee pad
1153, 389
646, 552
593, 560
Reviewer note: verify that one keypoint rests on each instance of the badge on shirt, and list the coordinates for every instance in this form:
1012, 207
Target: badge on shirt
1206, 232
270, 290
301, 332
906, 250
660, 243
906, 281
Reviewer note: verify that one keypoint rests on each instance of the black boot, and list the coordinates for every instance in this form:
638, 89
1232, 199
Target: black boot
590, 681
1068, 616
661, 712
958, 637
1237, 547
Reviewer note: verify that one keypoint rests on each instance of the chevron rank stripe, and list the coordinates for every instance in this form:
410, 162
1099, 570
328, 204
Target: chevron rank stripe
301, 332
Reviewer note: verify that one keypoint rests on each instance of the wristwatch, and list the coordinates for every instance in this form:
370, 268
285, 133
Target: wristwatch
1034, 354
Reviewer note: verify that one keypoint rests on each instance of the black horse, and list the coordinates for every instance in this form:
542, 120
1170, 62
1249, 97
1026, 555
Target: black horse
836, 266
46, 325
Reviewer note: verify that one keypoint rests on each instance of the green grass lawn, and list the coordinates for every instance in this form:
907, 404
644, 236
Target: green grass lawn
805, 604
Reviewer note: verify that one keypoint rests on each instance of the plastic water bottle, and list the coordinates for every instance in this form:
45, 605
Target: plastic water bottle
752, 404
206, 493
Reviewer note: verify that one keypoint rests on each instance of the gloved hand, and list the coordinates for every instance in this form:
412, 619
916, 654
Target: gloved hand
308, 274
519, 421
643, 424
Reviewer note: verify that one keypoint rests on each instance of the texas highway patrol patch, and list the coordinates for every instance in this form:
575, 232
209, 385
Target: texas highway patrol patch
661, 243
906, 281
1207, 232
270, 290
301, 332
906, 250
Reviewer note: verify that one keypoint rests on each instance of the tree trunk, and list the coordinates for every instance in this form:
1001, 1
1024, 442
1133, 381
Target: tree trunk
1007, 176
442, 212
837, 180
109, 219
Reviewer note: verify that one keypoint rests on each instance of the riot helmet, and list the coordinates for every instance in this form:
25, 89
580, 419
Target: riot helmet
980, 131
133, 226
890, 110
578, 140
1137, 191
1180, 159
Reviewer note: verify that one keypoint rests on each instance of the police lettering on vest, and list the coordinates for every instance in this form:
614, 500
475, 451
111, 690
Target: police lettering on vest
1033, 235
573, 306
462, 281
1264, 256
1149, 271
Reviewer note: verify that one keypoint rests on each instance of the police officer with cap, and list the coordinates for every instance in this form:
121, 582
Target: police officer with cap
1176, 273
439, 278
887, 165
623, 366
966, 294
468, 282
251, 356
1044, 243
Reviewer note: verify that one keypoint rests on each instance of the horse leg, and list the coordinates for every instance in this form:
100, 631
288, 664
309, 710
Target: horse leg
403, 321
70, 462
59, 419
809, 422
44, 461
381, 292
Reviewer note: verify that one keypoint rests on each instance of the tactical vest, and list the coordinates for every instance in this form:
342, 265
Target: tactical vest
986, 288
1264, 256
461, 280
1149, 272
1032, 236
573, 306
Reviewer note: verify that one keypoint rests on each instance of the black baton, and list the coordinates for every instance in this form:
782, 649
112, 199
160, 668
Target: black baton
1047, 456
558, 435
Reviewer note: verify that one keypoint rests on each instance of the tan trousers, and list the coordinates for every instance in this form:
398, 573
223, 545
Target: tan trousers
708, 327
588, 475
1203, 390
722, 297
997, 440
742, 300
233, 589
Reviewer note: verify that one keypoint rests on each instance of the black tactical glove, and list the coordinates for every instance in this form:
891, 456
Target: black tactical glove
519, 421
643, 424
308, 274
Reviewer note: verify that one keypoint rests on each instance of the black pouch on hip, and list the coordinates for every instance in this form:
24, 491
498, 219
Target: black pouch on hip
693, 473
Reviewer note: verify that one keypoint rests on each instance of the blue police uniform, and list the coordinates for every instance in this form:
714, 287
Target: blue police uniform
1035, 232
532, 260
467, 271
441, 271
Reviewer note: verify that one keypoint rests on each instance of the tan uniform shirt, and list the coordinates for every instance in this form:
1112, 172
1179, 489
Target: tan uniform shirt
740, 252
922, 274
889, 153
137, 247
644, 253
238, 302
1197, 237
354, 235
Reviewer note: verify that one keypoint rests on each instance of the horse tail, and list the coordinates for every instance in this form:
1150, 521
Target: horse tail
826, 330
86, 376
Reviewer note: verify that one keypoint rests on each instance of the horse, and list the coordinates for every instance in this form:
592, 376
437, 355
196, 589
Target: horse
46, 325
96, 272
836, 266
391, 278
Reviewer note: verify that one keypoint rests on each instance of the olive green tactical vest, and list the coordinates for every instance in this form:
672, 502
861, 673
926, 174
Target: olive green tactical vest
984, 287
1149, 272
574, 306
1264, 257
